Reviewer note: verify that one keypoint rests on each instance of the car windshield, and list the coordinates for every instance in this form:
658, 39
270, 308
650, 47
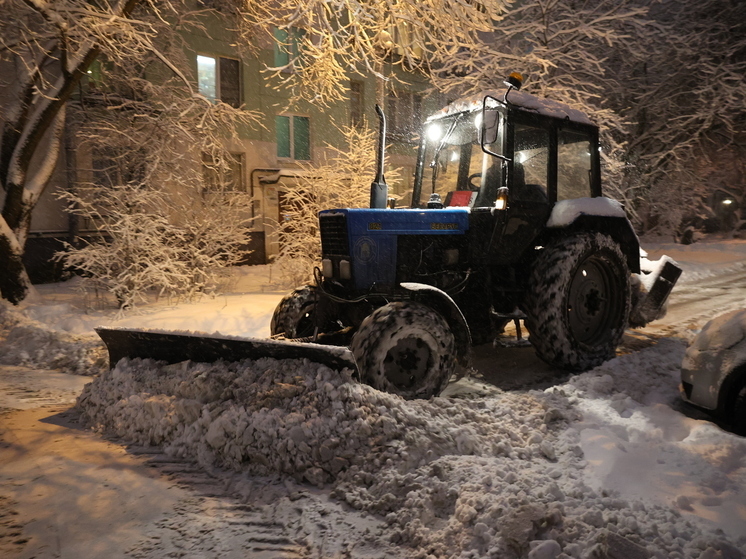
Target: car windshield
457, 163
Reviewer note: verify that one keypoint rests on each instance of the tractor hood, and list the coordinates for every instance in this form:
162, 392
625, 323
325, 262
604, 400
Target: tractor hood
368, 238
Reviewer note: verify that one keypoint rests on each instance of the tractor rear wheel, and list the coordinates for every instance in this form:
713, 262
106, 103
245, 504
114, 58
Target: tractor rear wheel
578, 302
405, 348
294, 314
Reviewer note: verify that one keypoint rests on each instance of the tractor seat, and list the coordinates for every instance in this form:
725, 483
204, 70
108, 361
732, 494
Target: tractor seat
460, 198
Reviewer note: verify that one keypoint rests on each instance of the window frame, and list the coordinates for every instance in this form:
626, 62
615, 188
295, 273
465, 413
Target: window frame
219, 94
565, 186
237, 166
111, 167
292, 137
288, 54
357, 102
554, 125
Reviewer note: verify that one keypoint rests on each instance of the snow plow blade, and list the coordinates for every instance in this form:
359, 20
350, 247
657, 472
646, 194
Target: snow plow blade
662, 279
175, 347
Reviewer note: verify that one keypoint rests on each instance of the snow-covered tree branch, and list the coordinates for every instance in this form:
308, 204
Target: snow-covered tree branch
686, 93
49, 46
328, 41
565, 50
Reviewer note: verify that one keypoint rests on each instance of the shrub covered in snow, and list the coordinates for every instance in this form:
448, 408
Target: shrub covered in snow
150, 239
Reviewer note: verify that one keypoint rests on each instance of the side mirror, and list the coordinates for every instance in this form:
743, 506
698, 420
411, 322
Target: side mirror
490, 122
489, 127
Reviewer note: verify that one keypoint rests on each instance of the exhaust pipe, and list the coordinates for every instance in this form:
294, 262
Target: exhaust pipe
379, 190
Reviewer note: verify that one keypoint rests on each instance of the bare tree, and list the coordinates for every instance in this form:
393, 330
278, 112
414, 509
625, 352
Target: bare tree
140, 248
168, 214
666, 81
49, 46
342, 180
566, 50
686, 94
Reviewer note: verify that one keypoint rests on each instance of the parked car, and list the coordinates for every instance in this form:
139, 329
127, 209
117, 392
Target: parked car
713, 373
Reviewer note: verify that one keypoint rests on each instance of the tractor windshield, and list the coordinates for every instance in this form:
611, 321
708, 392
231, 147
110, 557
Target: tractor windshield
456, 168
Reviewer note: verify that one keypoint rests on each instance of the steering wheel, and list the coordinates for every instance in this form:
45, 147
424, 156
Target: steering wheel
472, 177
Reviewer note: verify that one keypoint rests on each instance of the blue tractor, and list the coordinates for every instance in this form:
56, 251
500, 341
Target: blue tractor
506, 221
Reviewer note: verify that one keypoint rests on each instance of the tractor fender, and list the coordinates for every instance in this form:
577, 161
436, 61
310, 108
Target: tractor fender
598, 214
441, 302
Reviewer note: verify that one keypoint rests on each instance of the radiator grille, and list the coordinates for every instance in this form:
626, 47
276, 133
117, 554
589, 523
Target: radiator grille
334, 241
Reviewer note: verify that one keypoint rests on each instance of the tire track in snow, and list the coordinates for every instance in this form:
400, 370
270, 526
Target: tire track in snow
25, 388
231, 515
211, 523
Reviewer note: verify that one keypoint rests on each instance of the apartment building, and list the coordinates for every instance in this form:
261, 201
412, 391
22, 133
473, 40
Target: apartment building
265, 159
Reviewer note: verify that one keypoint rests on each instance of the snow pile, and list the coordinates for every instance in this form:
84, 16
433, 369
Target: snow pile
649, 376
503, 476
29, 343
639, 447
565, 212
9, 316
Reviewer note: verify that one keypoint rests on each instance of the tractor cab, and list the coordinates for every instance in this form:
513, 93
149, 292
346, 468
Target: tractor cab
508, 158
506, 151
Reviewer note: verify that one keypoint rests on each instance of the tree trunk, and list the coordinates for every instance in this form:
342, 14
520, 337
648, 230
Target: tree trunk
14, 281
34, 133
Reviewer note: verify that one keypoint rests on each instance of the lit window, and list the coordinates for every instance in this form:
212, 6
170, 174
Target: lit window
288, 47
220, 78
95, 75
404, 36
293, 137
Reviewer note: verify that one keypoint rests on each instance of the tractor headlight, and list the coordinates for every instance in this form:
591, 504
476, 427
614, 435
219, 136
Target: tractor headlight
345, 272
326, 268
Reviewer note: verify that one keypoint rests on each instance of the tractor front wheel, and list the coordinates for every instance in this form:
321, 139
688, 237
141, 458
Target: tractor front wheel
294, 314
405, 348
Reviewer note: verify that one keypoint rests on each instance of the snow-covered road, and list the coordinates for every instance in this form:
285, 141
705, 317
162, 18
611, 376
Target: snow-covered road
283, 459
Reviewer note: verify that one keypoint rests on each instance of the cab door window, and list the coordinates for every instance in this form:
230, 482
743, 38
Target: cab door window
530, 163
573, 165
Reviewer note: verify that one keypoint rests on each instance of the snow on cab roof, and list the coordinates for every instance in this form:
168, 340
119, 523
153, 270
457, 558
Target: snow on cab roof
525, 101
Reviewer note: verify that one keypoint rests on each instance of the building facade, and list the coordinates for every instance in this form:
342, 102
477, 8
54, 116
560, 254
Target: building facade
266, 159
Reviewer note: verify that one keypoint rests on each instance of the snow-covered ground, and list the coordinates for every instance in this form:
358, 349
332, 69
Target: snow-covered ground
516, 460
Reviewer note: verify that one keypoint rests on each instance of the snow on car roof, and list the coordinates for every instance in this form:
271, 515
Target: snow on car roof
521, 99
